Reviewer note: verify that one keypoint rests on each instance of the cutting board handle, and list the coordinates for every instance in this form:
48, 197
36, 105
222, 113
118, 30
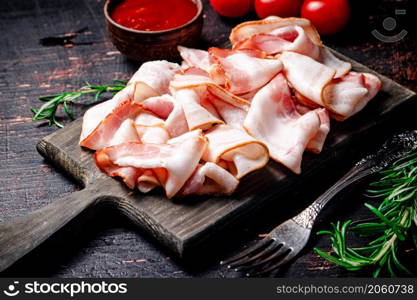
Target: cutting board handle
19, 237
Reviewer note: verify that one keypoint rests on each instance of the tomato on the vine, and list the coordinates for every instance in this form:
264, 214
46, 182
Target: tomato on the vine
328, 16
232, 8
280, 8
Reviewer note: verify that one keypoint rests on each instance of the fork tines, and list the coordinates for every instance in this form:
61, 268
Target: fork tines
263, 257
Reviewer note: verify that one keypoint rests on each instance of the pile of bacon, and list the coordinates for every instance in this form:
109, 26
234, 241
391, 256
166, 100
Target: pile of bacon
200, 127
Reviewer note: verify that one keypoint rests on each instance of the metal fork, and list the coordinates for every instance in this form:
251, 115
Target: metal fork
287, 240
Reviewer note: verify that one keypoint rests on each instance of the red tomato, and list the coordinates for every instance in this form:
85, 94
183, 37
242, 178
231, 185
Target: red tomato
280, 8
329, 16
232, 8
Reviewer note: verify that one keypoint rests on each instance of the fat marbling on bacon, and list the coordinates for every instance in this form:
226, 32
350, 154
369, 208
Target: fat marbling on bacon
200, 127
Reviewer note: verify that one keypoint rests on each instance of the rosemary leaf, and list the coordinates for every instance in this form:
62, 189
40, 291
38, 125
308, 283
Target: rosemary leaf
395, 223
48, 111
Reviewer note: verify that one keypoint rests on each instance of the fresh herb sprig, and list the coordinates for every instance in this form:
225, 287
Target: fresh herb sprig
49, 110
395, 221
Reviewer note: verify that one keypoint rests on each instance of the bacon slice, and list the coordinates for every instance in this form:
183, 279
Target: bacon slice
95, 115
209, 179
290, 38
232, 115
349, 94
195, 57
151, 129
316, 144
103, 135
307, 76
197, 113
153, 79
241, 72
328, 59
178, 158
245, 30
274, 120
170, 110
204, 83
147, 181
125, 134
243, 152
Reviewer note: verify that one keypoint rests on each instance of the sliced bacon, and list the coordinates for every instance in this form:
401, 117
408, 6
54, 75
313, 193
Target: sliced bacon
199, 115
170, 110
151, 129
202, 84
232, 115
307, 76
274, 120
290, 38
125, 134
241, 72
349, 94
244, 152
247, 29
316, 144
179, 158
209, 179
330, 60
153, 79
147, 181
95, 115
151, 133
104, 133
195, 57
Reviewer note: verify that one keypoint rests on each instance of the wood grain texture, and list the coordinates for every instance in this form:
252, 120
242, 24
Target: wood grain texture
101, 242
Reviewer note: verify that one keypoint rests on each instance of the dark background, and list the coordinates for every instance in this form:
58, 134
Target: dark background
100, 242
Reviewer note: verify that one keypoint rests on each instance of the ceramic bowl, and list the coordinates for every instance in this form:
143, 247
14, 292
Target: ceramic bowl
143, 46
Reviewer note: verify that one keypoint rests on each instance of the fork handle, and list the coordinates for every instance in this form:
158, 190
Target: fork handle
308, 216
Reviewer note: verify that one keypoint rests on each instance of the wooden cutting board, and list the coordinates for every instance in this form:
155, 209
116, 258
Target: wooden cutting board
180, 226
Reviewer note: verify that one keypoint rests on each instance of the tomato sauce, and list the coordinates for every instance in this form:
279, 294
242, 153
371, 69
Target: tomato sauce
154, 15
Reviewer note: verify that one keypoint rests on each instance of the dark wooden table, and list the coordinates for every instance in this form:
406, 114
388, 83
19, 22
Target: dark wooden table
101, 243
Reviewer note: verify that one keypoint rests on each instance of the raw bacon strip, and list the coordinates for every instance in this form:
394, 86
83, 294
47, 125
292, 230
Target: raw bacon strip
202, 84
197, 116
150, 129
290, 38
147, 118
307, 76
152, 134
195, 57
153, 79
196, 71
147, 181
95, 115
103, 135
179, 157
209, 179
129, 175
241, 72
232, 115
125, 134
316, 144
248, 29
327, 58
274, 120
349, 94
245, 153
170, 110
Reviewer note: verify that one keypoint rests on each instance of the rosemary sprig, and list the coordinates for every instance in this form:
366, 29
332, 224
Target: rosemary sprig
395, 221
52, 103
